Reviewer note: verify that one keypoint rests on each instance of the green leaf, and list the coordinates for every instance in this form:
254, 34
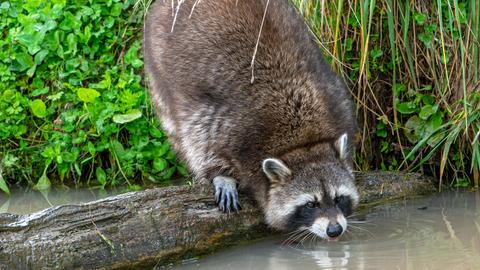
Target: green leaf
167, 174
376, 53
137, 63
56, 96
49, 25
31, 41
101, 176
70, 22
348, 44
128, 117
43, 183
445, 58
406, 107
109, 22
413, 125
419, 18
39, 91
72, 64
40, 56
427, 110
91, 148
31, 71
116, 10
38, 108
182, 170
131, 57
25, 60
3, 185
428, 99
156, 132
118, 148
381, 130
426, 87
435, 121
87, 34
72, 43
134, 188
5, 5
381, 133
159, 164
87, 95
49, 152
426, 38
399, 88
163, 149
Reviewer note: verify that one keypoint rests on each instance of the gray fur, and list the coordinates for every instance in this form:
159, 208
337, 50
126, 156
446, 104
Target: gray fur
276, 170
221, 124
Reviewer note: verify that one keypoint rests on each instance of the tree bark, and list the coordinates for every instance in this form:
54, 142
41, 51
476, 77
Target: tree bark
153, 227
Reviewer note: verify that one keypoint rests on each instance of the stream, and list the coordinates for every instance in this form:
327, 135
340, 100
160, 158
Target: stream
437, 232
441, 231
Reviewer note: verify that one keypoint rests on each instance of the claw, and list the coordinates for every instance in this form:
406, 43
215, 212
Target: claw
221, 204
226, 194
236, 202
227, 202
218, 194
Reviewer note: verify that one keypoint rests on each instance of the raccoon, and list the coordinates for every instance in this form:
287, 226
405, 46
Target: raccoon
249, 104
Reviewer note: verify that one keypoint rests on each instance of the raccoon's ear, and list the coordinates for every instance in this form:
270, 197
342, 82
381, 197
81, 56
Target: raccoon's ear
341, 145
276, 170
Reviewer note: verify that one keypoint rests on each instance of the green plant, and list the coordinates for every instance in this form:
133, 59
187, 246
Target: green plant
412, 69
73, 108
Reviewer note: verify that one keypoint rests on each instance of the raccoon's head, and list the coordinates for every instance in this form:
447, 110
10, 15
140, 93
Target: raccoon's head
316, 197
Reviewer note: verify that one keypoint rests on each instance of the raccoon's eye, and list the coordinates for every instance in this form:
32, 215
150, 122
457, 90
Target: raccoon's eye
310, 205
340, 199
344, 203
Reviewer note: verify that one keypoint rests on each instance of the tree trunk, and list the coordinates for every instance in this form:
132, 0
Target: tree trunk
153, 227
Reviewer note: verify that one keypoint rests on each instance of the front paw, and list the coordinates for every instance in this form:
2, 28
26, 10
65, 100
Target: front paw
226, 194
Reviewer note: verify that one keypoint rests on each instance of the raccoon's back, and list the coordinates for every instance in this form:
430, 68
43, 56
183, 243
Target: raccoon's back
199, 55
201, 47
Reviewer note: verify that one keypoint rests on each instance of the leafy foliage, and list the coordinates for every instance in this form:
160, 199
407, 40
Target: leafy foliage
73, 108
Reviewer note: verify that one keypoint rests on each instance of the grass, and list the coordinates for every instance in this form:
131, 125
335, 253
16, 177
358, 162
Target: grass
413, 71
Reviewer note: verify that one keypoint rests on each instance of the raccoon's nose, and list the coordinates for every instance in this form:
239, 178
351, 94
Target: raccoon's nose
334, 230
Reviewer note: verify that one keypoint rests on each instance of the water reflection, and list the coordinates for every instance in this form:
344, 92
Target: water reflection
25, 201
439, 232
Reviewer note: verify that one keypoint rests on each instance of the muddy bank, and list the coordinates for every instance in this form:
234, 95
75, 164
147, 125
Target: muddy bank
153, 227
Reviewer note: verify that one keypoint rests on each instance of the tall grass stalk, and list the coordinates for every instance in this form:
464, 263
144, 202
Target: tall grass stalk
412, 69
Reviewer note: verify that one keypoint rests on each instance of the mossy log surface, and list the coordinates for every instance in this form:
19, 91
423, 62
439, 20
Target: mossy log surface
153, 227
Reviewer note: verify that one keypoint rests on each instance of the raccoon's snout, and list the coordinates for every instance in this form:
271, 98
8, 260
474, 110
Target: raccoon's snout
334, 230
328, 228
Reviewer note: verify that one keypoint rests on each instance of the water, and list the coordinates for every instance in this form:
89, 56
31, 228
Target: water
26, 201
438, 232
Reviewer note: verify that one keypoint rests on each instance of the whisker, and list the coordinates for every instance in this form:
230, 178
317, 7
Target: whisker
313, 239
361, 229
294, 231
305, 237
349, 233
355, 215
295, 235
361, 222
299, 240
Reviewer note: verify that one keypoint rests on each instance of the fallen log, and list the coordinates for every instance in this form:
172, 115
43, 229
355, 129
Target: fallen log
153, 227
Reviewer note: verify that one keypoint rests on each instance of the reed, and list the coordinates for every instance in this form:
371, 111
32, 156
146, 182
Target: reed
412, 69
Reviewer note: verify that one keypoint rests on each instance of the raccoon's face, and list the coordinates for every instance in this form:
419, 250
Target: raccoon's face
317, 197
